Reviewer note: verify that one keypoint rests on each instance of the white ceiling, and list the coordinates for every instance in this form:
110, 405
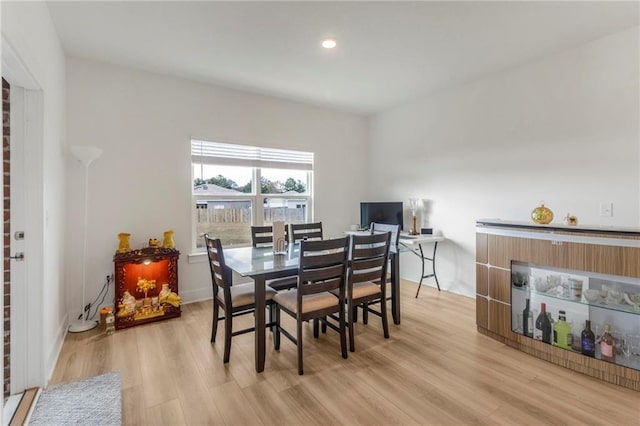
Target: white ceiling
388, 52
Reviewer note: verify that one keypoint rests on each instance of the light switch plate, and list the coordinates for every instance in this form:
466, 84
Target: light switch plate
606, 209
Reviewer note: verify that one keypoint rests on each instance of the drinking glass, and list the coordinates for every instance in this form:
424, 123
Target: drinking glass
604, 292
518, 325
625, 346
634, 346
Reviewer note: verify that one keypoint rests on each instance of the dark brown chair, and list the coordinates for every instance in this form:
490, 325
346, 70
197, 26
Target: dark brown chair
376, 228
368, 255
308, 231
322, 268
262, 236
234, 300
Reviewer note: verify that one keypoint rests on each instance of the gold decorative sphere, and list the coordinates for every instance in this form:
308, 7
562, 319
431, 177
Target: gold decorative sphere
542, 215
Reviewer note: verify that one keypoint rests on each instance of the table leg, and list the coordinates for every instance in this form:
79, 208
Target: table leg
260, 338
395, 287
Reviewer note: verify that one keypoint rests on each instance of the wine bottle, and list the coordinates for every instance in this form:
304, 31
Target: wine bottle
543, 325
588, 340
607, 345
527, 321
562, 336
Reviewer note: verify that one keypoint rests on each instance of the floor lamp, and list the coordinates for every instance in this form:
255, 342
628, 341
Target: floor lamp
86, 155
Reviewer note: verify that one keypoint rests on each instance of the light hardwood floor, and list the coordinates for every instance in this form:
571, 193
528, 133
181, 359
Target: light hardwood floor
435, 369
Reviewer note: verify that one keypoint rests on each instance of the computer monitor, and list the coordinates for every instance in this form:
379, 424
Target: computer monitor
381, 212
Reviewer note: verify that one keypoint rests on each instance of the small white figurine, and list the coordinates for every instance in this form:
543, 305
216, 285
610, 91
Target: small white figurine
570, 220
129, 302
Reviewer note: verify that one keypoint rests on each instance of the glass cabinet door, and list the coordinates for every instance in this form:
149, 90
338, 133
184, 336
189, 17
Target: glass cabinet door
572, 298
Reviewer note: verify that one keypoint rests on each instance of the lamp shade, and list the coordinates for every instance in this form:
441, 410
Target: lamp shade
415, 204
86, 154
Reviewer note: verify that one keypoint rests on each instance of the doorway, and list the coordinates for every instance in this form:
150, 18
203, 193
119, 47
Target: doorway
25, 357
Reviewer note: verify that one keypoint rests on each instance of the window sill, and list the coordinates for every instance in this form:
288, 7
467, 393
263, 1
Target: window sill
197, 257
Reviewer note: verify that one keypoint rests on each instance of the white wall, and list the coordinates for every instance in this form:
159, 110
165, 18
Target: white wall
28, 28
563, 129
142, 182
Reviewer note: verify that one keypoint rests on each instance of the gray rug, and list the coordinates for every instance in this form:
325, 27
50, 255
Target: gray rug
93, 401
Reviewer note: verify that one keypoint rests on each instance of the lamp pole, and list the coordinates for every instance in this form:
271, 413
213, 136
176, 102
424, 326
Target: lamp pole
86, 155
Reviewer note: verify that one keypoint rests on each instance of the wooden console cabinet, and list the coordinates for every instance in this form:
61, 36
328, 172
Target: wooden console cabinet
151, 263
604, 257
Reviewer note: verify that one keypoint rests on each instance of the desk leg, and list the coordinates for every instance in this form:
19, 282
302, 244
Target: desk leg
395, 287
422, 274
260, 324
433, 265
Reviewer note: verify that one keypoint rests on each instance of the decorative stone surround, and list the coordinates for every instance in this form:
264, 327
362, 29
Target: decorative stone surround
7, 235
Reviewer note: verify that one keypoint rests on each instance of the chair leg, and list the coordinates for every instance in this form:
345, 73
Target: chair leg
228, 329
355, 313
214, 323
343, 333
352, 340
323, 325
316, 328
276, 334
365, 313
271, 316
385, 321
299, 345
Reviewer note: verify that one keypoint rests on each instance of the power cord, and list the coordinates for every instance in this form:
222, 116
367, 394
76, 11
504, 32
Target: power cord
103, 292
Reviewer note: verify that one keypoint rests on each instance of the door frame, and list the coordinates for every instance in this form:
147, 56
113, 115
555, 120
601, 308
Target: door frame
27, 123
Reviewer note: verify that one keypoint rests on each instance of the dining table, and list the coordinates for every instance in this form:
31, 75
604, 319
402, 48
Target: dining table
261, 264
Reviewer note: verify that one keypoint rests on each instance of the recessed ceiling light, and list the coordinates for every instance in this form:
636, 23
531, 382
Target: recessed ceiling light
329, 43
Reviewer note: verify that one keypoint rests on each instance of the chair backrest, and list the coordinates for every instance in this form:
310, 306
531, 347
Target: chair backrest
262, 236
322, 267
383, 227
220, 274
368, 256
312, 231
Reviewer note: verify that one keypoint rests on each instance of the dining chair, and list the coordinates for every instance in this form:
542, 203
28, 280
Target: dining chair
383, 227
302, 231
234, 300
322, 268
262, 236
374, 228
368, 255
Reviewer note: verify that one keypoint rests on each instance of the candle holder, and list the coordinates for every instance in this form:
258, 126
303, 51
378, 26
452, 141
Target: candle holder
414, 205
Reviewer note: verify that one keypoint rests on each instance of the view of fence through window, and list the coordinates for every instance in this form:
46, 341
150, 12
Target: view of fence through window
228, 200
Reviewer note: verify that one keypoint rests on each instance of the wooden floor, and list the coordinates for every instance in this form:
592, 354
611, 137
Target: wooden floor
435, 369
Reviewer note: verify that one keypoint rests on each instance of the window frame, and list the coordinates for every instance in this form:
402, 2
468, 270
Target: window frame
256, 197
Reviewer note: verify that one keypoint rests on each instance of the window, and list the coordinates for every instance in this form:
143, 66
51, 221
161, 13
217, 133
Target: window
237, 186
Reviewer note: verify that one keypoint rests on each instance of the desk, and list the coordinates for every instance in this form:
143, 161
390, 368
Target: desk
413, 244
409, 243
260, 264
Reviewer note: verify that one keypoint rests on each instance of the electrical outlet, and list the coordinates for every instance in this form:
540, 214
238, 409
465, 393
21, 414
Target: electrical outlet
606, 209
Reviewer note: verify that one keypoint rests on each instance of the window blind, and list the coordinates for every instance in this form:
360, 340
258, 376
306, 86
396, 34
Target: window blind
206, 152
